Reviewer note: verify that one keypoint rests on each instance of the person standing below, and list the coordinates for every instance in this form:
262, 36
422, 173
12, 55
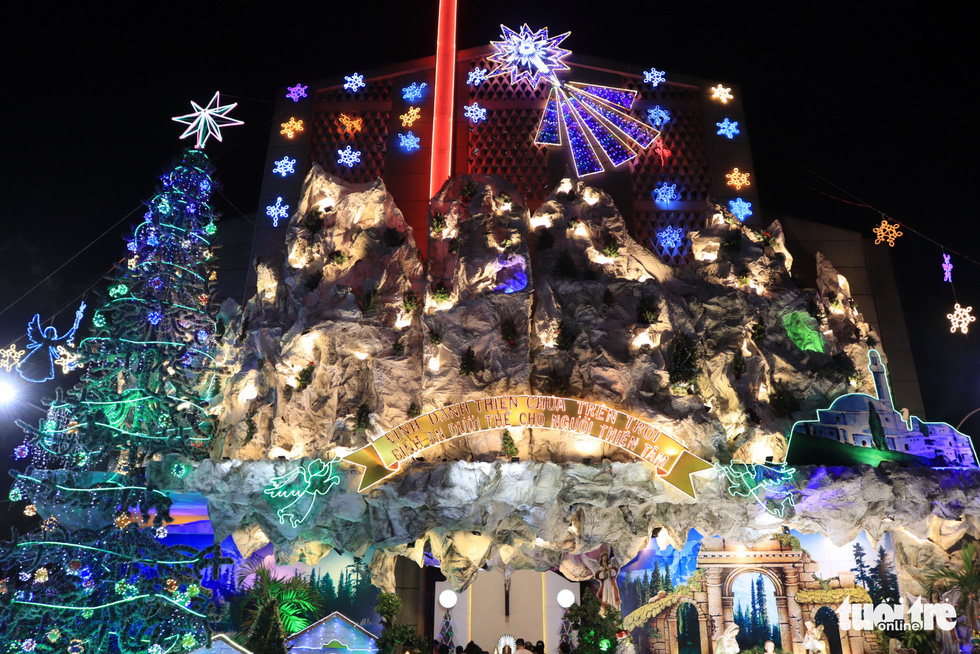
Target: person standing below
522, 647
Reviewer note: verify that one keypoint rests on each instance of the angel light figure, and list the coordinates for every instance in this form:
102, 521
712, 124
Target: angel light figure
43, 345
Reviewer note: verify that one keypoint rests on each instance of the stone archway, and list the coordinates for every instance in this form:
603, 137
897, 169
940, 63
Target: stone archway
826, 618
673, 631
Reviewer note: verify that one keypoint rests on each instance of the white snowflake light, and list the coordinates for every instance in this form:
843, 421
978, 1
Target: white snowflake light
658, 116
665, 192
670, 237
205, 122
721, 93
477, 76
960, 319
285, 166
475, 112
297, 92
413, 91
354, 83
653, 76
947, 269
348, 157
276, 211
728, 128
740, 208
528, 55
409, 141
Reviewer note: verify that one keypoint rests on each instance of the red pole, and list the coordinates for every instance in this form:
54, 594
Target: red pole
442, 111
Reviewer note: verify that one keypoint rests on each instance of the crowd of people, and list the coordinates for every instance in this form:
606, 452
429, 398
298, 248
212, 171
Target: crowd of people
522, 647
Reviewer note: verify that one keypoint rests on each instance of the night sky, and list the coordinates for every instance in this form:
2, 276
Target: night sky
866, 105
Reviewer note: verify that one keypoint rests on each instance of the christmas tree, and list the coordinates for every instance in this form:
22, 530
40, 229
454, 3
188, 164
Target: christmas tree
446, 633
94, 577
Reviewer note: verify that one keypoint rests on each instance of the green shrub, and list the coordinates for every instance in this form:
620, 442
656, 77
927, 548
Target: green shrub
467, 363
312, 221
410, 302
685, 360
304, 377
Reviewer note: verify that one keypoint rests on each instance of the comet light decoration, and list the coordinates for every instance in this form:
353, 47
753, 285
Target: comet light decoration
205, 122
574, 110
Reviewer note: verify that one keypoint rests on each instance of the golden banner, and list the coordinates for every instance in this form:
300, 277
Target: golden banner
672, 463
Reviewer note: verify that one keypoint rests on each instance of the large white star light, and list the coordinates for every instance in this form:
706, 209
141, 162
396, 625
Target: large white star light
208, 121
529, 55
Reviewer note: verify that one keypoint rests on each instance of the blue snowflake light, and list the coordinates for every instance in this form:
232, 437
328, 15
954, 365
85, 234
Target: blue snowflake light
653, 76
297, 92
155, 317
740, 208
670, 237
354, 83
276, 211
131, 246
477, 76
658, 116
665, 192
413, 91
728, 128
475, 112
348, 157
285, 166
529, 55
409, 141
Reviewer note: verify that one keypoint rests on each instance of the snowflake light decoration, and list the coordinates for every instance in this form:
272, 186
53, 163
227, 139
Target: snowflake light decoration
284, 166
205, 122
413, 92
653, 76
670, 237
161, 532
291, 127
354, 83
154, 317
297, 92
67, 360
76, 646
658, 116
475, 113
21, 451
886, 232
28, 644
409, 141
947, 269
665, 192
528, 55
728, 128
41, 575
408, 118
721, 93
738, 179
960, 319
348, 157
477, 76
276, 211
661, 151
350, 124
10, 357
740, 208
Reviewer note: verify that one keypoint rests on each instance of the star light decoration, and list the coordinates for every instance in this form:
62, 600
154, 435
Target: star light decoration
10, 357
653, 76
354, 83
291, 127
350, 124
475, 113
276, 211
408, 118
947, 269
658, 116
348, 157
413, 92
68, 360
576, 109
284, 166
740, 208
409, 141
205, 122
738, 179
665, 192
670, 237
721, 93
477, 76
886, 232
297, 92
960, 319
728, 128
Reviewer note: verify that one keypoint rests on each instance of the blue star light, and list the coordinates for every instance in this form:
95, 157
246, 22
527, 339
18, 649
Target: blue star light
354, 83
529, 55
477, 76
670, 237
658, 116
207, 121
348, 157
653, 76
297, 92
728, 128
276, 211
740, 208
285, 166
665, 192
409, 141
475, 112
413, 91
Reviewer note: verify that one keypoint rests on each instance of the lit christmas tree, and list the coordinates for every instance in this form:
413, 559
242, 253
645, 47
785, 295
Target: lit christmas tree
94, 577
446, 633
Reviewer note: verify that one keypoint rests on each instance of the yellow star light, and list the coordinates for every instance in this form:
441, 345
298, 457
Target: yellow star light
291, 127
738, 179
410, 117
10, 357
721, 93
886, 232
350, 123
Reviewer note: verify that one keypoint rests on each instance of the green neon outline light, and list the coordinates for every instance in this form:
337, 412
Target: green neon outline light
318, 476
104, 551
105, 606
746, 481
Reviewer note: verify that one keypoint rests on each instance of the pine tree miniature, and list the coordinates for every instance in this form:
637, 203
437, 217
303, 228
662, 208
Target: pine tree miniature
446, 633
94, 577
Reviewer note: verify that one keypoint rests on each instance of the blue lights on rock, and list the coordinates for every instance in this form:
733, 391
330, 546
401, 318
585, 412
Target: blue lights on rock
665, 192
284, 166
653, 76
348, 157
409, 142
477, 76
276, 211
728, 128
413, 92
658, 116
475, 113
511, 274
740, 208
670, 237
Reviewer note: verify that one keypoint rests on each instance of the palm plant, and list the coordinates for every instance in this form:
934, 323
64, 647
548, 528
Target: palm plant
965, 579
271, 600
